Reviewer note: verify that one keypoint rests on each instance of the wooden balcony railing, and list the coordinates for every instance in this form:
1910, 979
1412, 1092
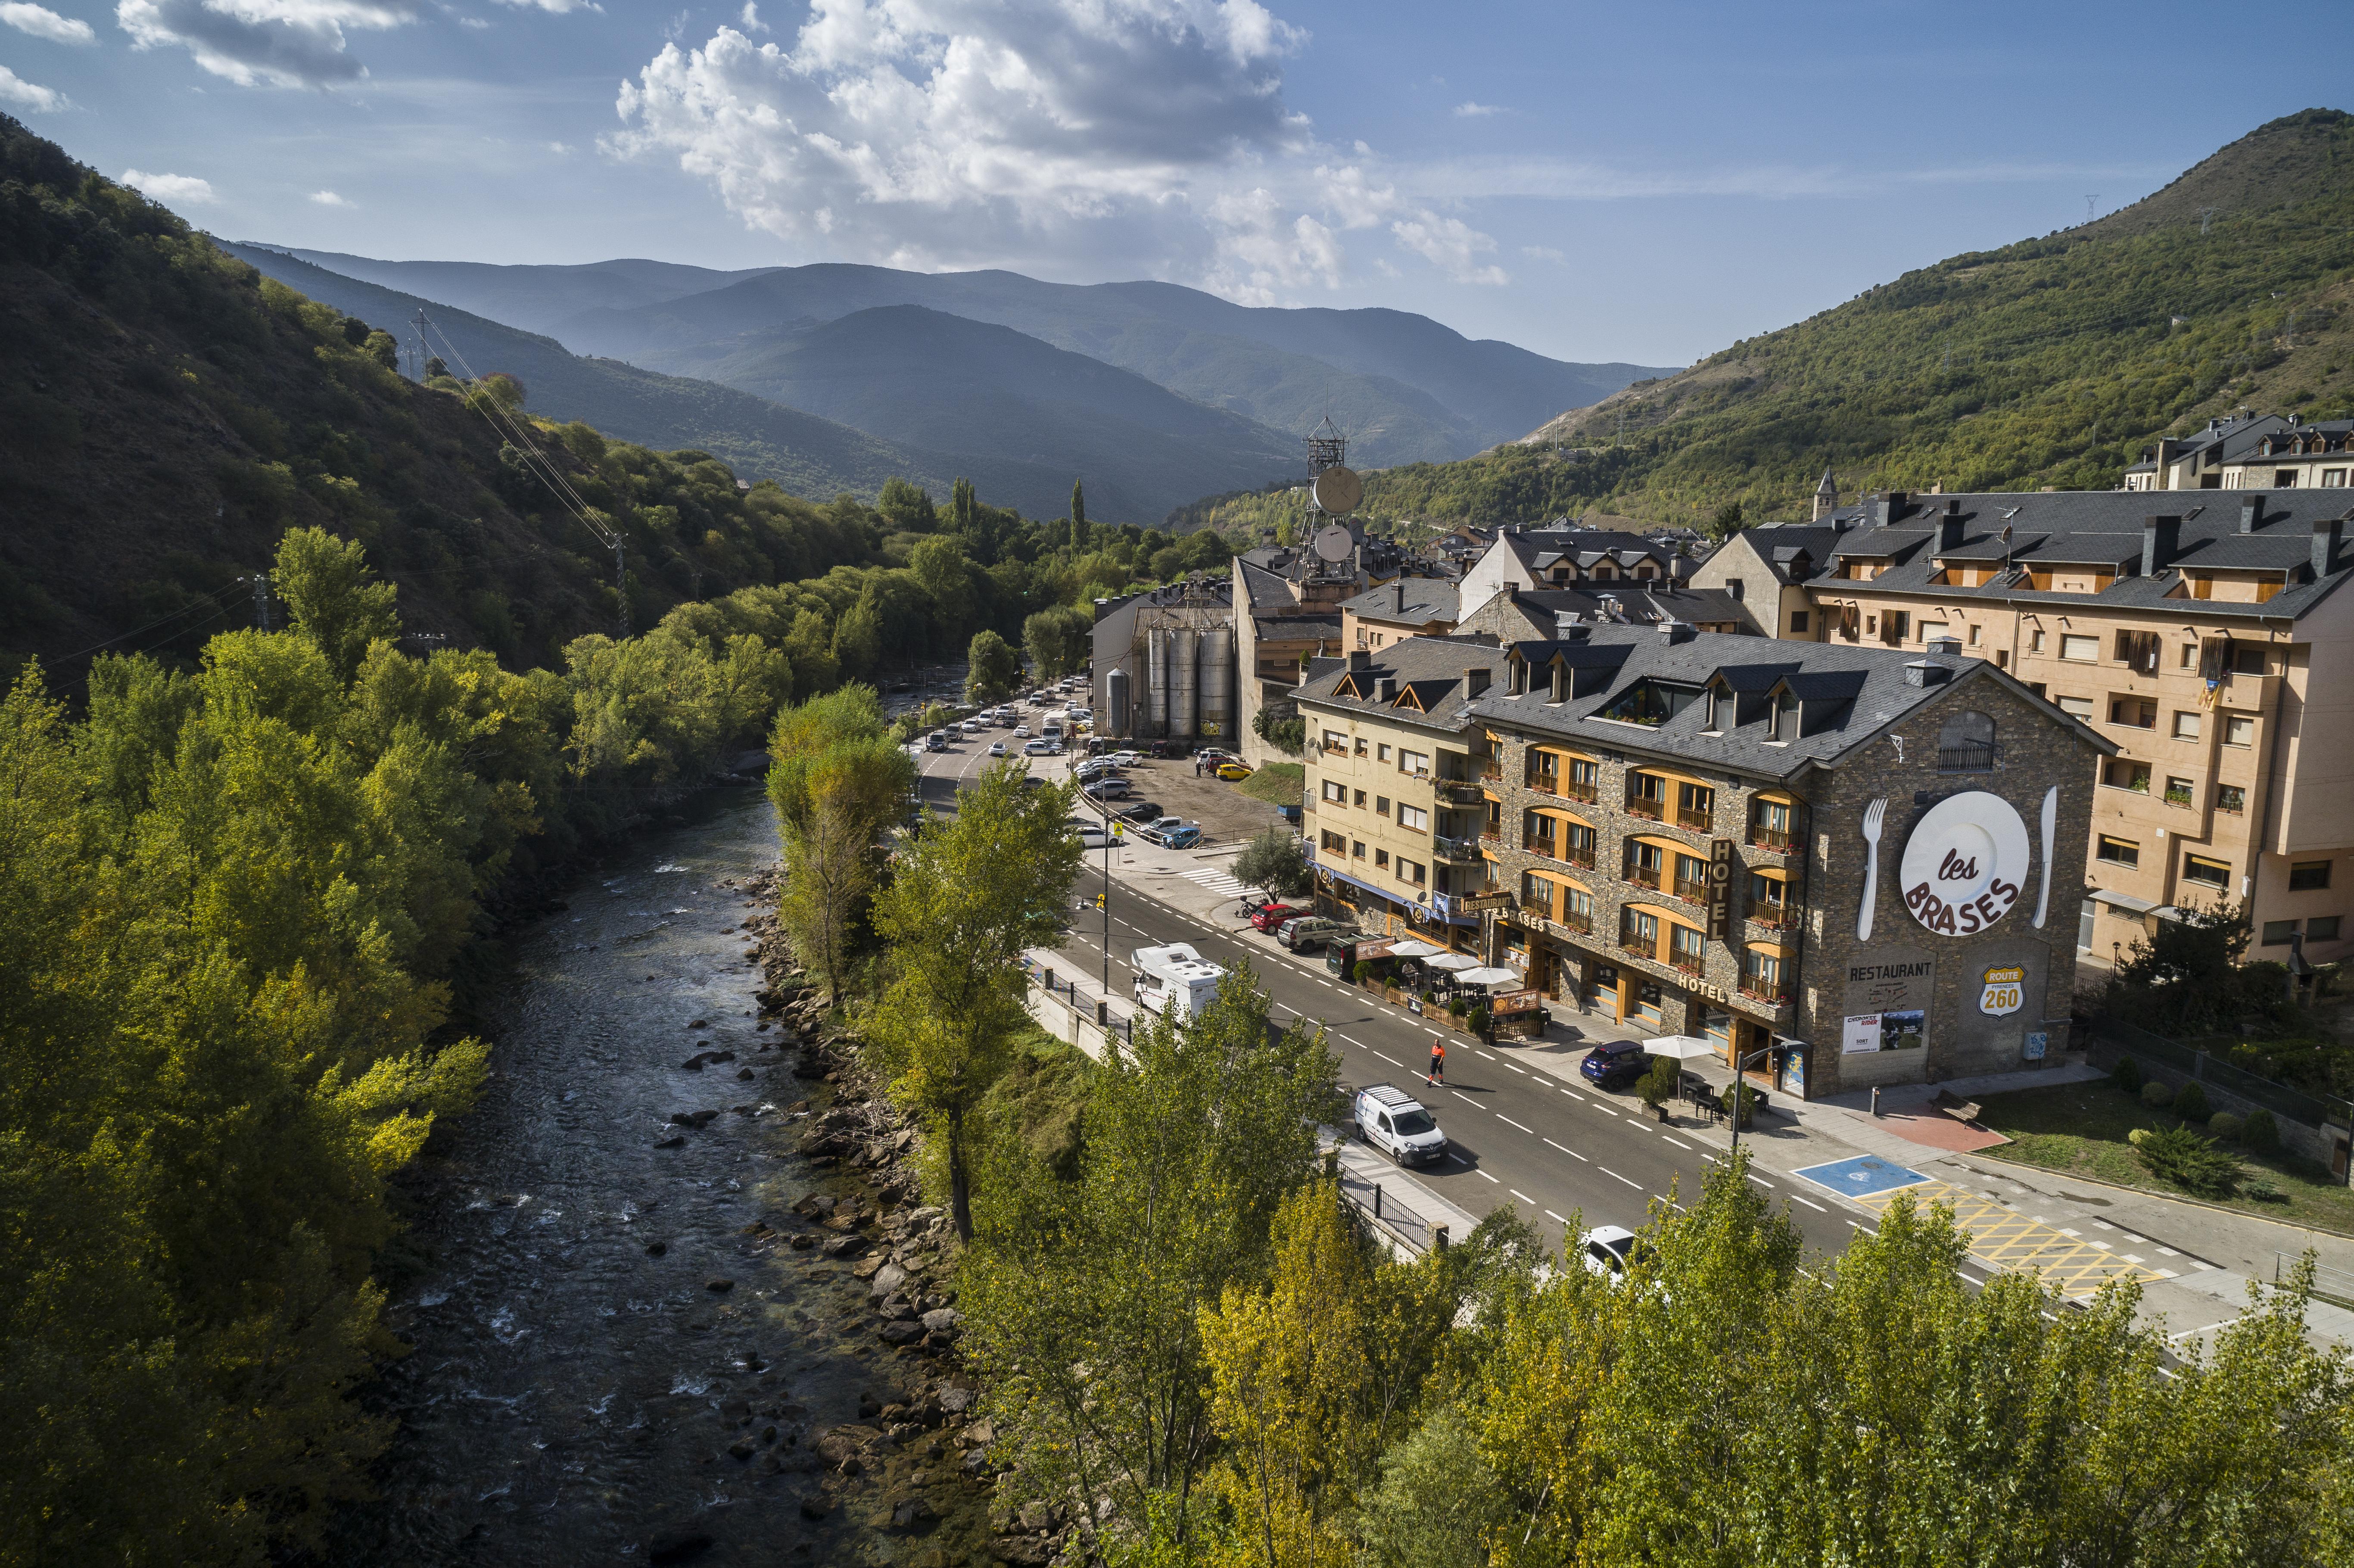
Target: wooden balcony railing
1781, 840
1770, 992
1540, 846
1638, 947
1646, 877
1649, 810
1578, 857
1572, 920
1691, 889
1698, 821
1575, 790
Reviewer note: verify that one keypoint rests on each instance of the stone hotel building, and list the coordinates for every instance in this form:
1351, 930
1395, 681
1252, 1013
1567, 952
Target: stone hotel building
1850, 866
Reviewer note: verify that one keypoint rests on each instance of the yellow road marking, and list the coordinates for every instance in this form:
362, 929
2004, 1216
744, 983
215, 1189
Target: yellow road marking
2003, 1238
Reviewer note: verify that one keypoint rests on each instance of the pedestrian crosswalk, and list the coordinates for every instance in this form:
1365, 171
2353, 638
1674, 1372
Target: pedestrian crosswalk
1217, 882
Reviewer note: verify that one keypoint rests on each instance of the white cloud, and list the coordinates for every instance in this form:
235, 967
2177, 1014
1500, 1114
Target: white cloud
752, 23
44, 22
477, 23
329, 198
264, 43
1469, 110
15, 89
185, 188
560, 8
559, 147
1083, 135
1451, 245
1542, 253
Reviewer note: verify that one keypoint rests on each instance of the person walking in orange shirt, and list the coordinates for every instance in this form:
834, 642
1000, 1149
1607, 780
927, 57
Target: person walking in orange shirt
1438, 1074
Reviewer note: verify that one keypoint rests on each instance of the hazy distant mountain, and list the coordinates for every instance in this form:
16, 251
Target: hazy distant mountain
1406, 388
809, 456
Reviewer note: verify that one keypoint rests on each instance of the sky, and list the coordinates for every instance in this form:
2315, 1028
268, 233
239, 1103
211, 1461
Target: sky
1640, 183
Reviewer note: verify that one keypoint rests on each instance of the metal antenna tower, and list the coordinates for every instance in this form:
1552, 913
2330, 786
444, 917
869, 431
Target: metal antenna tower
2089, 202
261, 581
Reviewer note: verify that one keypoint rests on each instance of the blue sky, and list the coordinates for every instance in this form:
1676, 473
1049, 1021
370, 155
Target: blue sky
1594, 181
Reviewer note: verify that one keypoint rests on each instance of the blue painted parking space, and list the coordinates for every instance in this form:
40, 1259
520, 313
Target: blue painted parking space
1860, 1176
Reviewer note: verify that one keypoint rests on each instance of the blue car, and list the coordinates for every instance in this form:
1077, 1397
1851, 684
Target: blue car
1619, 1063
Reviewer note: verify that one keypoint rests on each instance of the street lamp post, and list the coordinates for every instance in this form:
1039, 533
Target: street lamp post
1740, 1088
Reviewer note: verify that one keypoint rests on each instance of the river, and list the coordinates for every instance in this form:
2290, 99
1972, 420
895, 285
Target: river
577, 1377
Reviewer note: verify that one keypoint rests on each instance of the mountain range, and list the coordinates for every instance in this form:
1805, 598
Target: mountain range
1405, 388
2051, 362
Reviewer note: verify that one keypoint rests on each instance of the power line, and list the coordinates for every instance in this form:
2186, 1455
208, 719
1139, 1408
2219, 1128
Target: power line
210, 600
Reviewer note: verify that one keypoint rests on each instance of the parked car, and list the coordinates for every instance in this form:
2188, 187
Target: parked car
1306, 933
996, 748
1399, 1125
1093, 837
972, 726
1172, 832
1113, 789
1038, 748
1093, 767
1232, 772
1609, 1251
1127, 758
1141, 812
1615, 1065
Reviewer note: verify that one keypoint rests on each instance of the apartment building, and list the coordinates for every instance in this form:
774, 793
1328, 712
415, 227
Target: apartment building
1524, 615
1555, 558
1286, 611
1391, 611
1848, 866
1766, 572
2208, 643
2269, 452
1395, 809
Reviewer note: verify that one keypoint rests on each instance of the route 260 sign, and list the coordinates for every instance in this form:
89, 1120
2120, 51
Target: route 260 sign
1965, 863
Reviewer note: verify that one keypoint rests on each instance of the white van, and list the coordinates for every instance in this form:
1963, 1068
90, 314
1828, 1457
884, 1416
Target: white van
1174, 981
1399, 1125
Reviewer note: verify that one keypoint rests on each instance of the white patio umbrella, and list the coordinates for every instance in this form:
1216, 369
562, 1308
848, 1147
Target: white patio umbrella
1452, 962
1492, 975
1682, 1047
1412, 949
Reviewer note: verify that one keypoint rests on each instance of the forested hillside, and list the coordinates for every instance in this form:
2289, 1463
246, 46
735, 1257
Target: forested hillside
2049, 362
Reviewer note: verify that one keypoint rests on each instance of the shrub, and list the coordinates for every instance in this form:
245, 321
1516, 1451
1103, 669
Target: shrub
1364, 971
2136, 1135
2224, 1124
2127, 1075
2261, 1133
2199, 1166
1748, 1101
1478, 1019
1658, 1086
2190, 1103
2263, 1191
2157, 1095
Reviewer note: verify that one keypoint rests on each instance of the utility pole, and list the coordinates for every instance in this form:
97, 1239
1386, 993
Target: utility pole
2206, 217
2089, 202
621, 584
261, 581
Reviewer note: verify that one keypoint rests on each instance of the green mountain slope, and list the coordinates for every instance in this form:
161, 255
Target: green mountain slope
166, 414
2051, 362
534, 297
971, 389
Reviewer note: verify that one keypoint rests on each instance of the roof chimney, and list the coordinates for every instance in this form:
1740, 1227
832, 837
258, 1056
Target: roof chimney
1475, 680
1385, 689
1949, 528
2251, 513
1401, 596
1678, 631
1359, 660
2324, 544
2161, 540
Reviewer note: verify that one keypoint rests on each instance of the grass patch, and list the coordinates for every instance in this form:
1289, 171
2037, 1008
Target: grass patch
1278, 783
2079, 1129
1042, 1096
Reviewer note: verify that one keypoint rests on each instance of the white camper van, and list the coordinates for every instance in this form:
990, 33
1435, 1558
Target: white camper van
1174, 980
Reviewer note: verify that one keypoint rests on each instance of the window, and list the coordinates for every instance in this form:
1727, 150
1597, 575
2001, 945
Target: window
1966, 743
1974, 636
1382, 804
2138, 649
2120, 851
2284, 479
1760, 975
1413, 816
2190, 655
1646, 865
1360, 799
2308, 875
1537, 893
2134, 713
2123, 773
2035, 640
2239, 729
1381, 857
1895, 626
2181, 791
1335, 742
1934, 628
2333, 478
1361, 746
2084, 649
1410, 871
1691, 878
1577, 908
1357, 850
1414, 761
1381, 753
1647, 795
2076, 708
1639, 932
2321, 928
2231, 798
2186, 727
1695, 807
1334, 843
1684, 948
1798, 620
2278, 932
1769, 899
2212, 873
1734, 587
2247, 659
1336, 793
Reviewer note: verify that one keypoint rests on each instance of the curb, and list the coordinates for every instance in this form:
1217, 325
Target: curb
2176, 1198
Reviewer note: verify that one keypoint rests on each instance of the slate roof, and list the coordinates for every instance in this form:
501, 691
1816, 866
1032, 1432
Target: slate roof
2100, 526
1268, 589
2242, 440
1849, 695
1542, 612
1539, 548
1429, 668
1427, 599
1779, 545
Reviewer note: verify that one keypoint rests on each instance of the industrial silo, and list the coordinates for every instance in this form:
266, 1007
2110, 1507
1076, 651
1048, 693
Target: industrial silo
1217, 667
1156, 678
1118, 718
1184, 681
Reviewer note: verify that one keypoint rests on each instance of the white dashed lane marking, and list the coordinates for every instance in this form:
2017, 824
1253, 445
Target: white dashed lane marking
1615, 1177
1507, 1121
1572, 1153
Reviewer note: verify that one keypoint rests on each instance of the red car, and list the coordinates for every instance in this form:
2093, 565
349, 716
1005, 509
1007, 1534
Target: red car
1267, 916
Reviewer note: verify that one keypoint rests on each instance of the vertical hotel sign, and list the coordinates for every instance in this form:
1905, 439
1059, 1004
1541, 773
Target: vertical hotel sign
1720, 888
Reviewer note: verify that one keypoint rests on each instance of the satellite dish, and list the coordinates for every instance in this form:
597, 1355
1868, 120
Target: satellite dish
1331, 542
1338, 491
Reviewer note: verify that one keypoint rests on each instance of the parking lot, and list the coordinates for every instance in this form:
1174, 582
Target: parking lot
1227, 815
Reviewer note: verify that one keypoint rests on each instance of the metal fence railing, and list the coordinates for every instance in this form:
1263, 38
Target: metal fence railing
1382, 1206
2311, 1110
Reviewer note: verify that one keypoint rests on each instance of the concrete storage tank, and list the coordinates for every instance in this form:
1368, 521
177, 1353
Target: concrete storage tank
1156, 679
1184, 680
1118, 718
1217, 719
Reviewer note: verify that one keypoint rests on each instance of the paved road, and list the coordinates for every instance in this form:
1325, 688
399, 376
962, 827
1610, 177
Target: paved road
1555, 1149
